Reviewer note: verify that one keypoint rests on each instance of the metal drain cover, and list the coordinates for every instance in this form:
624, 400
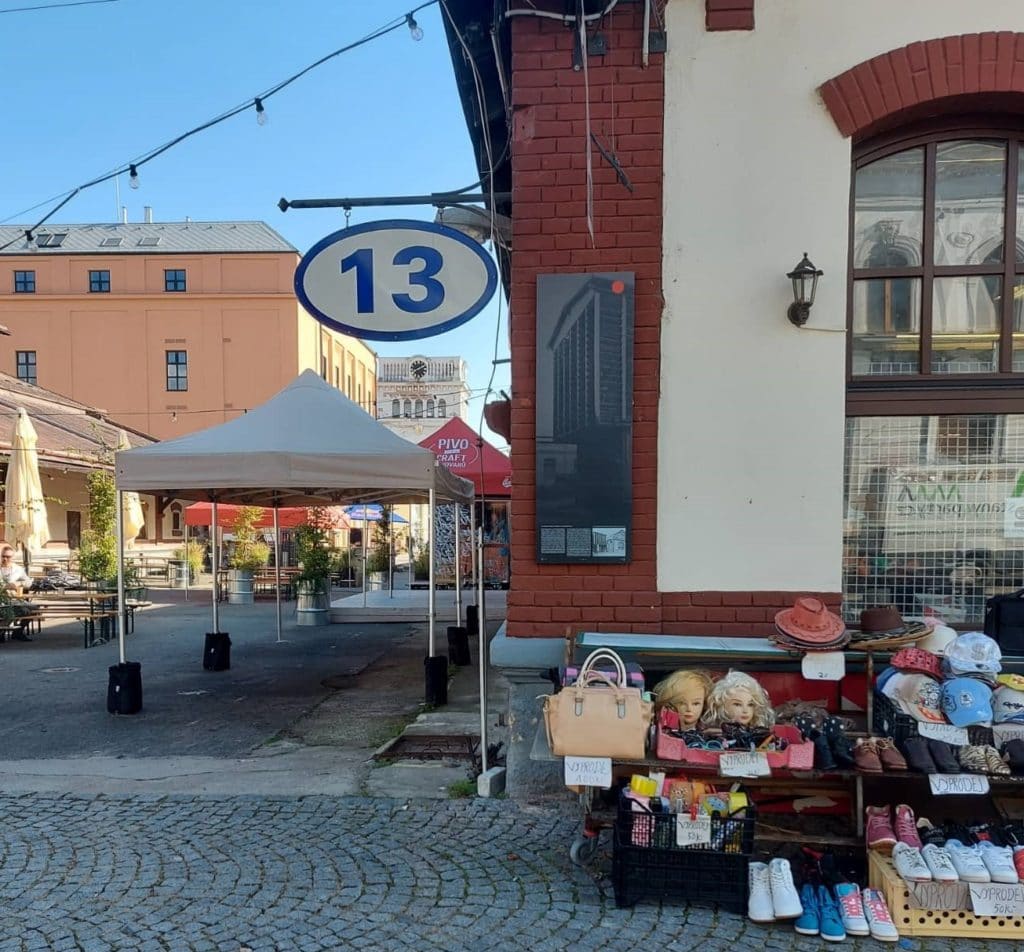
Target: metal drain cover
431, 747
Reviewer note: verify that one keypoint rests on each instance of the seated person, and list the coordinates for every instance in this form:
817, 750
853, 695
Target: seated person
15, 580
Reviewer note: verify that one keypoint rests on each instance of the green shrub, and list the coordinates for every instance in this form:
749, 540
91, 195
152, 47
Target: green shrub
250, 553
313, 549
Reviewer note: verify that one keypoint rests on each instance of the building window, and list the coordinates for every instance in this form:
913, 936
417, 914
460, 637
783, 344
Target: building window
938, 257
407, 409
323, 367
99, 282
175, 511
24, 282
26, 365
177, 370
442, 407
337, 378
430, 406
360, 400
174, 279
418, 409
396, 408
931, 521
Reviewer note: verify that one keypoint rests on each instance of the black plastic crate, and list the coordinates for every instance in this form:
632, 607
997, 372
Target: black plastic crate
889, 721
663, 870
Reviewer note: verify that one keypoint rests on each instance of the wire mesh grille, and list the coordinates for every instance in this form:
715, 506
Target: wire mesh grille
934, 514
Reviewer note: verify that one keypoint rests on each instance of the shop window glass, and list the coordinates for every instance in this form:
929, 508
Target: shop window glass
927, 526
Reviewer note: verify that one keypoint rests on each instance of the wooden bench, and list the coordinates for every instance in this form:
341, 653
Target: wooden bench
96, 611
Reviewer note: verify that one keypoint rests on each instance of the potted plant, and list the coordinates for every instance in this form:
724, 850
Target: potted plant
191, 556
248, 555
316, 560
97, 553
342, 570
378, 558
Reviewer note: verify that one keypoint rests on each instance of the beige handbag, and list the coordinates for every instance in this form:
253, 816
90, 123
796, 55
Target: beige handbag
596, 717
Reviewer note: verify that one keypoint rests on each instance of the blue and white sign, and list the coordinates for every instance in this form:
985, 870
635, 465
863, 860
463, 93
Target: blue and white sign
395, 280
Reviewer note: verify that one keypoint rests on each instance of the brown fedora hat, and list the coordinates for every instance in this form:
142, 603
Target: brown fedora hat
886, 620
810, 621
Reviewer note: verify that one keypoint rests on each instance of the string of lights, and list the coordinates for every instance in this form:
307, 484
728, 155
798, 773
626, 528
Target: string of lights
257, 102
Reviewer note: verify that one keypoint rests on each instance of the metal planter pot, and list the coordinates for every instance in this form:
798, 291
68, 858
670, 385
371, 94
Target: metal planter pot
313, 605
240, 587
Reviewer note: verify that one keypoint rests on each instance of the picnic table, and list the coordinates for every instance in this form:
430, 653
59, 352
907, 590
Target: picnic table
96, 610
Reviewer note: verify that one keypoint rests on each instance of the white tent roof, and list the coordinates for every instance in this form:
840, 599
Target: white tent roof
308, 445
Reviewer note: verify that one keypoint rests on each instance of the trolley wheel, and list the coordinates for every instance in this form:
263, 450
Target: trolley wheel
583, 849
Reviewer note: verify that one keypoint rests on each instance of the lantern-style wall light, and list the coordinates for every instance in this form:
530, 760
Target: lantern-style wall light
805, 283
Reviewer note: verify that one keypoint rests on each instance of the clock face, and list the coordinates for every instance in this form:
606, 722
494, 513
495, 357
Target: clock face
418, 368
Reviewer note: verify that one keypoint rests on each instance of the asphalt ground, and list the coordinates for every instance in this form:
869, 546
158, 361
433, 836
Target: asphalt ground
53, 702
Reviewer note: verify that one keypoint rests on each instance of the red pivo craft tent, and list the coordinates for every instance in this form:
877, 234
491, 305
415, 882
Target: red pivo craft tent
455, 446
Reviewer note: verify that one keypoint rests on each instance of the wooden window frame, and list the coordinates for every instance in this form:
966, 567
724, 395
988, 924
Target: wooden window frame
926, 393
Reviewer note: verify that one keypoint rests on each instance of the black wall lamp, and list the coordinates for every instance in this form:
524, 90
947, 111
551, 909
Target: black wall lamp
805, 283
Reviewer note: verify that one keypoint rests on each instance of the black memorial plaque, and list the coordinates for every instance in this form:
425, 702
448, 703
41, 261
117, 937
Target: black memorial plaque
584, 407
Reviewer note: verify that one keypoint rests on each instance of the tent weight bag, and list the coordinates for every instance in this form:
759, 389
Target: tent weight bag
217, 651
124, 688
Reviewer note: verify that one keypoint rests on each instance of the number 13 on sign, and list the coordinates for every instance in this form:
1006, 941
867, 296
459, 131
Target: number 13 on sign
361, 261
395, 280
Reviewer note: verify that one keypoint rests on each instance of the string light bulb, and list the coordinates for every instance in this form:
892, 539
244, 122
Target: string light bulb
133, 176
261, 113
415, 30
174, 416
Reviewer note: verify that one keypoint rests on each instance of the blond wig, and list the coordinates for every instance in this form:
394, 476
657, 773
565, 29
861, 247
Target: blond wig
715, 713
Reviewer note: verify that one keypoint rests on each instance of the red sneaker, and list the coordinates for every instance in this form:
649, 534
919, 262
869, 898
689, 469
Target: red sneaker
1018, 861
879, 831
906, 827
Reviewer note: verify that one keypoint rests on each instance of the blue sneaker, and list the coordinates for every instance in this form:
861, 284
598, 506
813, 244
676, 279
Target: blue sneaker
830, 916
810, 922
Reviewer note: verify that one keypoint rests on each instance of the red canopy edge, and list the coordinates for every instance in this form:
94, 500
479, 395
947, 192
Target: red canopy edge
201, 514
455, 446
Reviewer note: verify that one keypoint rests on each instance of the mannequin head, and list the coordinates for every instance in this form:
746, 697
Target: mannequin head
686, 692
739, 699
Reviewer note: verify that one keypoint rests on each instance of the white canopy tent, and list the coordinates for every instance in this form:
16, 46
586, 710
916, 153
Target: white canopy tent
308, 445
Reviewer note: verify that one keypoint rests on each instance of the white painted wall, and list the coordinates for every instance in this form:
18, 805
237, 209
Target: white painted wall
750, 447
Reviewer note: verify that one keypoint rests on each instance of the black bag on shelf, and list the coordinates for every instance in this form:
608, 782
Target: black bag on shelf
1004, 621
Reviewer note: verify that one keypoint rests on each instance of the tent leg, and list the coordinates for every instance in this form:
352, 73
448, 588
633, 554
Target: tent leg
277, 572
119, 521
472, 542
458, 563
364, 555
482, 655
215, 565
188, 564
431, 602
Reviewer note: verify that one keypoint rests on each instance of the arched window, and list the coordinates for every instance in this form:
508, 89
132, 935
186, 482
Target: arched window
396, 408
407, 409
175, 510
430, 406
419, 408
442, 407
937, 256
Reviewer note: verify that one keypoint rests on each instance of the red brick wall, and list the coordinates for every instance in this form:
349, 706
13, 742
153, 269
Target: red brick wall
550, 235
729, 14
894, 86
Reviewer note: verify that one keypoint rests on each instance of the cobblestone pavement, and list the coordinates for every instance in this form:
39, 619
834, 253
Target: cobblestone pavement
261, 873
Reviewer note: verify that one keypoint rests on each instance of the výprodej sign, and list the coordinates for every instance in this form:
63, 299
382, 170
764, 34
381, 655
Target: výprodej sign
395, 280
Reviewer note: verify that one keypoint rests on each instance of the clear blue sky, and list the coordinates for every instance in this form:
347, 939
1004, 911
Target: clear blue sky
90, 88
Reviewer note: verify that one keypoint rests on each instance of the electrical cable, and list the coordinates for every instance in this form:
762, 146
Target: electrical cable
390, 27
566, 18
57, 6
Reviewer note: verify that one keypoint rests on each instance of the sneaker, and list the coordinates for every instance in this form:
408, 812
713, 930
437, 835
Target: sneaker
1018, 860
832, 929
809, 922
998, 861
967, 863
910, 864
759, 904
785, 900
941, 866
930, 833
906, 827
880, 835
877, 914
851, 908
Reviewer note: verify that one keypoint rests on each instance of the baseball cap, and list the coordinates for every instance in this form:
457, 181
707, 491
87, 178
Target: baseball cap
967, 701
1015, 681
917, 695
974, 653
1008, 705
938, 638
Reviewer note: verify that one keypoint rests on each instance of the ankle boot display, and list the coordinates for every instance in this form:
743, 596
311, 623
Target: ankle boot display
823, 758
919, 755
944, 756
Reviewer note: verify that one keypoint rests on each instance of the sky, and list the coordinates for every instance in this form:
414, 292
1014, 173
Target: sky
90, 88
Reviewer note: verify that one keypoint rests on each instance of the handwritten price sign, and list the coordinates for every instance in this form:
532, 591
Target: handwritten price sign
693, 831
995, 899
744, 765
957, 736
824, 666
588, 771
946, 785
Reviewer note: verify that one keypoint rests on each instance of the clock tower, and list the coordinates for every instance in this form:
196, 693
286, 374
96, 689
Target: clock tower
416, 395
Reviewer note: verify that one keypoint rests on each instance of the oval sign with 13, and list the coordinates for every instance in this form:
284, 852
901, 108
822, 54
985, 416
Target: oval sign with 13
395, 280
